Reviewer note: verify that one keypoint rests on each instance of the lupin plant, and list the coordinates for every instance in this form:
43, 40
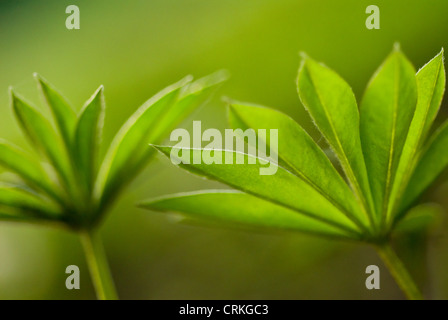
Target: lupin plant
385, 148
65, 183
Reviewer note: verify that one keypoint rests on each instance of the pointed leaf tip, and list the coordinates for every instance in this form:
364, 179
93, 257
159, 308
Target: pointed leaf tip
303, 55
227, 100
11, 91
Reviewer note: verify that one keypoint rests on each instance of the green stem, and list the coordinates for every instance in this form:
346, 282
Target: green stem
98, 266
399, 272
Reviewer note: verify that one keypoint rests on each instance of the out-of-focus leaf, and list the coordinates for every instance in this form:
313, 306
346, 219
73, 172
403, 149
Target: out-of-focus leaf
431, 86
17, 161
432, 163
128, 147
42, 136
298, 152
150, 124
88, 137
63, 113
332, 105
419, 218
232, 207
386, 114
192, 95
282, 188
15, 197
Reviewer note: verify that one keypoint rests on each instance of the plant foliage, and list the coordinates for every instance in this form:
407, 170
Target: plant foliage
387, 154
66, 182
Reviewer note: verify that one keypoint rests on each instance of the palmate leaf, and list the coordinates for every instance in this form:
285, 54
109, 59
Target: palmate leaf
312, 166
283, 188
65, 117
87, 139
332, 105
74, 178
306, 181
377, 150
74, 190
237, 208
386, 114
431, 86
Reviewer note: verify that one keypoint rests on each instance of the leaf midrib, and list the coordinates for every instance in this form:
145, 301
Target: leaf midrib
304, 212
305, 178
347, 167
411, 164
392, 146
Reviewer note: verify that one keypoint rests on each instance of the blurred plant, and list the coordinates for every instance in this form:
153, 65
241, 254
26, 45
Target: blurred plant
383, 150
69, 185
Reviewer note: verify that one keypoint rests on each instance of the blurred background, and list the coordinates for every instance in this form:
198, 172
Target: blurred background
135, 48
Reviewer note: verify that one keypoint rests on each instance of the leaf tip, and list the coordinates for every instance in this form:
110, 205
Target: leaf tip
100, 90
304, 55
13, 95
305, 61
14, 99
442, 53
227, 100
11, 91
187, 79
397, 47
40, 80
155, 146
162, 149
221, 75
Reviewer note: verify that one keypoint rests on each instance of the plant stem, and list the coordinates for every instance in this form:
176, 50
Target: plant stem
98, 266
399, 272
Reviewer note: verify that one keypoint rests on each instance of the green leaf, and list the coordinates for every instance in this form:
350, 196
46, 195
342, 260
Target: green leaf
151, 124
42, 136
433, 161
332, 105
282, 188
232, 207
386, 114
13, 215
300, 155
63, 113
17, 161
18, 198
431, 86
88, 137
124, 157
192, 96
420, 218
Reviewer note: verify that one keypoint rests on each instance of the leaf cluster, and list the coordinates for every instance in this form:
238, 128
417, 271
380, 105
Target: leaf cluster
66, 181
385, 148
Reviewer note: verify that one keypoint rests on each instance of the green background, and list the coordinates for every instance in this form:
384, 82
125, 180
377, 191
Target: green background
136, 48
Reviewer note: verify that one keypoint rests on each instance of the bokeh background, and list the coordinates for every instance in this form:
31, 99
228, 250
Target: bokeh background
136, 48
